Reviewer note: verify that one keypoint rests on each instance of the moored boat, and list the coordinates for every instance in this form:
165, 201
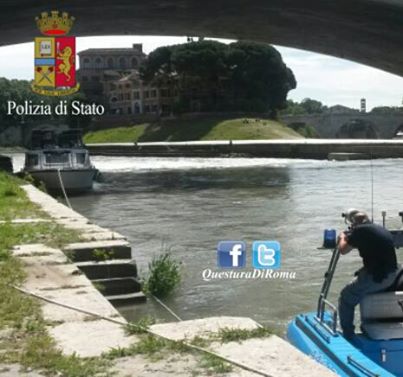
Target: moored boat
60, 161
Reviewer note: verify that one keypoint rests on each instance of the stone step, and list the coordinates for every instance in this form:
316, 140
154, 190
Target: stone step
98, 250
117, 286
115, 268
131, 298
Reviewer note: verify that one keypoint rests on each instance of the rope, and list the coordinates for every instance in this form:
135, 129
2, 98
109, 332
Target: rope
63, 190
123, 323
167, 308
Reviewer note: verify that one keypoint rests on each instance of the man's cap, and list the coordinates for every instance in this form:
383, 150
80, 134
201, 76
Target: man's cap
355, 216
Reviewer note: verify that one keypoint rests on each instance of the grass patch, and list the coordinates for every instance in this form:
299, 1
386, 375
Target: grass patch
164, 276
13, 200
116, 135
23, 336
150, 346
237, 335
26, 341
215, 364
203, 128
141, 326
48, 233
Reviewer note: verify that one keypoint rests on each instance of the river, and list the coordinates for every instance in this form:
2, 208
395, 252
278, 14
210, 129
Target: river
186, 206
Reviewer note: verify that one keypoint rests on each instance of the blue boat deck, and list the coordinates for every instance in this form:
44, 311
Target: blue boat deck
361, 358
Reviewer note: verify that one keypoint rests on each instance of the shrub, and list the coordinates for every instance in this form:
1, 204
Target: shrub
164, 276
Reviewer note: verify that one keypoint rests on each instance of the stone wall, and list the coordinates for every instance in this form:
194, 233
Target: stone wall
329, 125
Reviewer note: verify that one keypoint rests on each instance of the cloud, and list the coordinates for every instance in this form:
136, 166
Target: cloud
337, 81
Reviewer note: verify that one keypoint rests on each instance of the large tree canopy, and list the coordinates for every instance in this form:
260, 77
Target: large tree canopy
241, 76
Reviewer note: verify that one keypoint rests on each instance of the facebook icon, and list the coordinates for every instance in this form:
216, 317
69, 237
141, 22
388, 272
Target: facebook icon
231, 254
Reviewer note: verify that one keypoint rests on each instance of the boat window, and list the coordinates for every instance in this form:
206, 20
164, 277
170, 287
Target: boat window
31, 159
56, 158
80, 158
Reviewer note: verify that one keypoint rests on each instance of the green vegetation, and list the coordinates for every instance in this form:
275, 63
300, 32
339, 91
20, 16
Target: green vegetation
102, 255
20, 91
116, 135
304, 129
204, 128
13, 201
240, 76
141, 326
23, 335
163, 276
24, 338
214, 364
237, 335
306, 106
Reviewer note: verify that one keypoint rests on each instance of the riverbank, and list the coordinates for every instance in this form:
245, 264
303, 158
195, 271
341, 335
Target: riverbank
199, 128
319, 149
44, 336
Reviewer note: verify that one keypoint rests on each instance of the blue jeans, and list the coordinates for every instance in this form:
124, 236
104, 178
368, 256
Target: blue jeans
354, 292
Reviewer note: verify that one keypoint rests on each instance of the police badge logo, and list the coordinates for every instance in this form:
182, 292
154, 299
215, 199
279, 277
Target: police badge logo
55, 56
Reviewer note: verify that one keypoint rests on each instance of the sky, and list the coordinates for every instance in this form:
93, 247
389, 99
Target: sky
330, 80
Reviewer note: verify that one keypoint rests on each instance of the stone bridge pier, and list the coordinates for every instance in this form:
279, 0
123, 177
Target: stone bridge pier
380, 126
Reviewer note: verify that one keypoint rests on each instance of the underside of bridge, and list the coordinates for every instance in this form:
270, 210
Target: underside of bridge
365, 31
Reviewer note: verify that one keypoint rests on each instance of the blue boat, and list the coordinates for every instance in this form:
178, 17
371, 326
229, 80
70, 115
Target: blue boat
375, 352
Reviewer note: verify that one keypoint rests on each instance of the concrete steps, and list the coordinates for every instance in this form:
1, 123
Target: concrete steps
104, 256
98, 250
131, 298
117, 286
114, 268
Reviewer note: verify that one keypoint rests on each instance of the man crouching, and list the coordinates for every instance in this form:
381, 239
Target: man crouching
376, 248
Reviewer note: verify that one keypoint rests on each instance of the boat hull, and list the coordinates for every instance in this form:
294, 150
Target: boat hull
332, 350
74, 180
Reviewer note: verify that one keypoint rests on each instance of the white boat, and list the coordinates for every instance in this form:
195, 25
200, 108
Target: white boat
60, 161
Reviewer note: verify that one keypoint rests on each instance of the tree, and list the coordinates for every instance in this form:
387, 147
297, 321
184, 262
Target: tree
20, 91
386, 110
242, 76
312, 106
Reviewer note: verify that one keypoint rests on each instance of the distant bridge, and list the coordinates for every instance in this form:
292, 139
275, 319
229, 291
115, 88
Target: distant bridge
378, 126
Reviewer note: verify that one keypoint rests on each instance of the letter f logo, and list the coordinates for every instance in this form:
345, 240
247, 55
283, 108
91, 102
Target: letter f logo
235, 253
231, 254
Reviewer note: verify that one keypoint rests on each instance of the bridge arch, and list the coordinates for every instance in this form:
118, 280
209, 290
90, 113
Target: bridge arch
366, 31
399, 132
358, 129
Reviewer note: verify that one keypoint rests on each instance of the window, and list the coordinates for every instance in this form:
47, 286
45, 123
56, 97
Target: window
98, 62
114, 99
122, 63
84, 78
80, 158
147, 108
110, 63
134, 63
165, 93
153, 93
112, 86
95, 78
127, 95
129, 110
31, 160
57, 158
136, 108
128, 86
146, 94
154, 108
86, 62
136, 95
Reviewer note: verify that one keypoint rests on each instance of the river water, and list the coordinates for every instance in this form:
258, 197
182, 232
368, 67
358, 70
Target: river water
186, 206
